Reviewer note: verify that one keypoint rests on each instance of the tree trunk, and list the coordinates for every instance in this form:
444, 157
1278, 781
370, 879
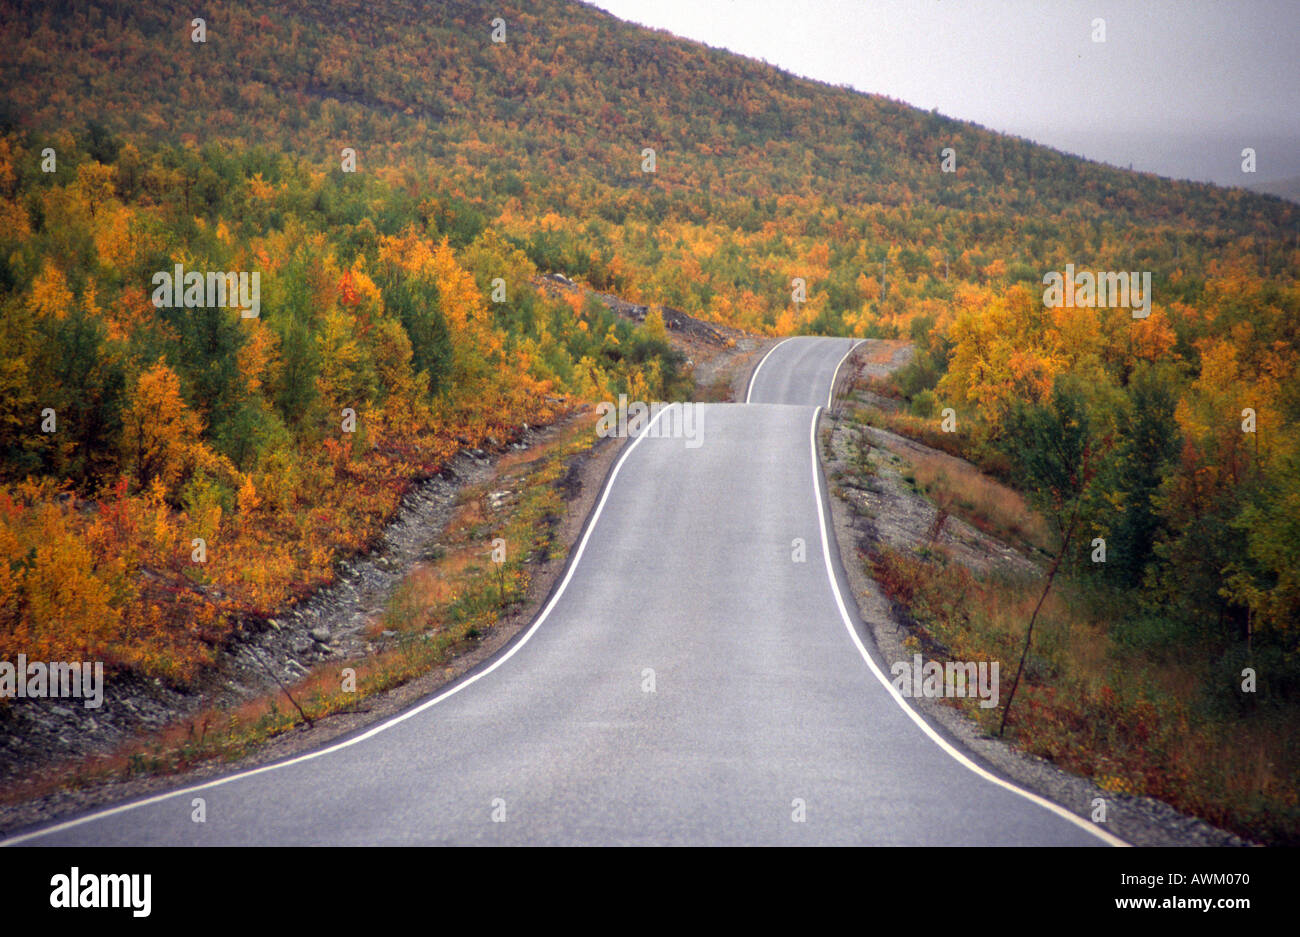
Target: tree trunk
1029, 632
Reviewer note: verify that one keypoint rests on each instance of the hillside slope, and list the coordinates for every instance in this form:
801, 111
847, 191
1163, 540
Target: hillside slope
760, 176
646, 166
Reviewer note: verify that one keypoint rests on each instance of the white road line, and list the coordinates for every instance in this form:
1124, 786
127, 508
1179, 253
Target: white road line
898, 698
750, 389
577, 557
830, 395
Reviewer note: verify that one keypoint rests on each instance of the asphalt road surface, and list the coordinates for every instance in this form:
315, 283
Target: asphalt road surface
689, 682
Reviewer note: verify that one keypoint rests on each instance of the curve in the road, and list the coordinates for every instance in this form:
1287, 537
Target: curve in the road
693, 686
799, 371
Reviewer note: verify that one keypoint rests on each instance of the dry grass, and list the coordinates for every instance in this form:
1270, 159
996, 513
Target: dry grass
1134, 721
884, 350
1151, 720
994, 508
426, 588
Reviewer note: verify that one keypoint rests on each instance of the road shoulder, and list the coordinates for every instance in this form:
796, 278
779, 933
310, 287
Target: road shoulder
1141, 821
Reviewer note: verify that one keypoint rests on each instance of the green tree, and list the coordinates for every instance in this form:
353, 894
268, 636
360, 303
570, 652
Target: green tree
1057, 456
1149, 444
417, 305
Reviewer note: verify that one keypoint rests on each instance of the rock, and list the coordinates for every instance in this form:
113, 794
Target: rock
320, 635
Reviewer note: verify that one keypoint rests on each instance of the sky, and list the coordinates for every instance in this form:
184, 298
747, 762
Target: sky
1176, 88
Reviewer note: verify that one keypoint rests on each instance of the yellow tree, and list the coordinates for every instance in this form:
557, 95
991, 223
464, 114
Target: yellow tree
160, 434
50, 296
998, 358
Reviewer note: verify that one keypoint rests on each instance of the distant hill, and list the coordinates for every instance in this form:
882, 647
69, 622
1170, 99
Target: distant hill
1282, 188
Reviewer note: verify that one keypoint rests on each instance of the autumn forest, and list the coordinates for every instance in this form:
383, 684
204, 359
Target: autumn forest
399, 183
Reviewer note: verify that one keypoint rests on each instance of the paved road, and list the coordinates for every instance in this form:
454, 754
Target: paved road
762, 698
798, 371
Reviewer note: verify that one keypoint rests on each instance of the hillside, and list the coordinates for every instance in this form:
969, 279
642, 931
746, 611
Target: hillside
760, 176
402, 293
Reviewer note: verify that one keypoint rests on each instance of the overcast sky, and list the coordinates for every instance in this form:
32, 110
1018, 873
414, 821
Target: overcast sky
1178, 88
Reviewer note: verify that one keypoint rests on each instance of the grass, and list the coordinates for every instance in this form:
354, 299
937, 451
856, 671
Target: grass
1135, 720
961, 489
929, 431
716, 391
